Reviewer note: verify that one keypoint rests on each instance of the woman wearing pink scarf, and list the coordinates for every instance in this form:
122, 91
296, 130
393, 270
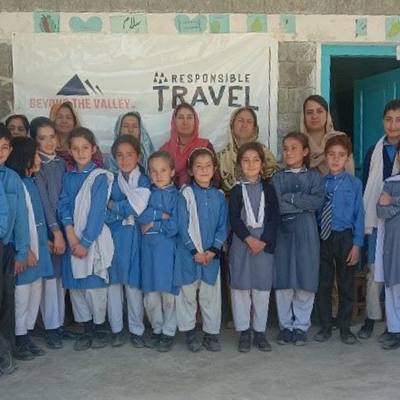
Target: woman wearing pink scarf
184, 139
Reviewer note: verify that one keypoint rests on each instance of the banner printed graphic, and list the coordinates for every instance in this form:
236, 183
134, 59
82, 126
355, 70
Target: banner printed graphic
107, 75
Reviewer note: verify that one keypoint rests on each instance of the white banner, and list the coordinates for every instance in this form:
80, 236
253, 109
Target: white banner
105, 75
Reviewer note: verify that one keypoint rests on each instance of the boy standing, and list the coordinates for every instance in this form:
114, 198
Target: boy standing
342, 233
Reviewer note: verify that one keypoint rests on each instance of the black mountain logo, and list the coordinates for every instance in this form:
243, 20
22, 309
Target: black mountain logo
160, 78
75, 87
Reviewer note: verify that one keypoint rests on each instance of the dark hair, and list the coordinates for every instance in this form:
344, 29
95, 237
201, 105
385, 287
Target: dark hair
22, 117
22, 157
164, 155
255, 146
303, 140
40, 122
393, 105
339, 140
129, 139
184, 105
68, 105
318, 99
84, 133
204, 151
5, 133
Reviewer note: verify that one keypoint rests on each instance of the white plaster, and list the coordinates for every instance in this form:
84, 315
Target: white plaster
318, 67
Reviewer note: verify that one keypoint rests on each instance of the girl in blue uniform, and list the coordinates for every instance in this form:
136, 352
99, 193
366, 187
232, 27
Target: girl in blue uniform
90, 248
129, 197
25, 160
202, 225
159, 227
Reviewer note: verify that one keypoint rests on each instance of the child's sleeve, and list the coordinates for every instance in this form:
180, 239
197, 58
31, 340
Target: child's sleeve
312, 201
3, 211
235, 208
150, 214
285, 207
169, 227
63, 207
183, 224
273, 219
221, 232
97, 213
390, 211
358, 216
21, 227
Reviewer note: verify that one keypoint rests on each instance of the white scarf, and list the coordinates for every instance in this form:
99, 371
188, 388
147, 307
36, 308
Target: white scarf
374, 185
138, 197
194, 224
33, 234
101, 251
379, 274
250, 217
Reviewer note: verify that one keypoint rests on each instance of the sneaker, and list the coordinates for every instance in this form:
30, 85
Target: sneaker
22, 353
153, 341
34, 349
392, 343
84, 342
299, 337
366, 330
100, 339
192, 341
117, 339
323, 335
211, 342
382, 338
66, 334
244, 344
165, 344
7, 363
284, 337
137, 341
52, 339
347, 337
260, 341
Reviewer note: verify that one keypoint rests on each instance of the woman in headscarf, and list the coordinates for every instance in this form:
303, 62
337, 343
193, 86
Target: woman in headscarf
66, 119
131, 123
316, 123
243, 128
184, 139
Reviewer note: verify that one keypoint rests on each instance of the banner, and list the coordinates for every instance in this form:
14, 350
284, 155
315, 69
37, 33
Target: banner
105, 75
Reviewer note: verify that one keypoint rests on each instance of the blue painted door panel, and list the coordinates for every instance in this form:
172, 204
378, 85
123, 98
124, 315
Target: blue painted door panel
370, 97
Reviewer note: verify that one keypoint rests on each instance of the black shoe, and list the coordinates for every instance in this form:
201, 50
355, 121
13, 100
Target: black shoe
385, 336
153, 341
137, 341
284, 337
84, 342
366, 330
323, 335
192, 341
211, 342
7, 363
347, 337
37, 331
260, 341
22, 351
165, 344
34, 349
392, 343
299, 337
117, 339
244, 344
66, 334
52, 339
100, 339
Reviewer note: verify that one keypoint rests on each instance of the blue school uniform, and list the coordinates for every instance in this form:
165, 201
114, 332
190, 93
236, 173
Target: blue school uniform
125, 267
17, 222
44, 267
72, 183
3, 211
159, 243
213, 214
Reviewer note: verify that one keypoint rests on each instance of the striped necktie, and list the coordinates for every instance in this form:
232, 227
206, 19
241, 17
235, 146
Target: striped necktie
326, 217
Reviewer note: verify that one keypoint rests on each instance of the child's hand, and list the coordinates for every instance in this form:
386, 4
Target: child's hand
59, 243
71, 236
352, 259
50, 245
385, 199
209, 256
19, 267
110, 205
32, 260
147, 227
166, 216
200, 258
79, 251
255, 245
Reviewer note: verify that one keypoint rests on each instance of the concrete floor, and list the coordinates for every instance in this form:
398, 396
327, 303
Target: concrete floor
325, 371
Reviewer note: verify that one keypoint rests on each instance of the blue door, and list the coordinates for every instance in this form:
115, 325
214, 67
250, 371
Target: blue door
370, 97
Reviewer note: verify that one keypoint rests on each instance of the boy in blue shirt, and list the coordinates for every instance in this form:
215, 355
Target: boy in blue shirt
342, 234
16, 243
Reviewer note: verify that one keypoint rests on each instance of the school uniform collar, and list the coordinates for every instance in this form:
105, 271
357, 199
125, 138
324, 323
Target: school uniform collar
194, 184
303, 169
387, 143
45, 158
87, 170
2, 167
245, 181
340, 176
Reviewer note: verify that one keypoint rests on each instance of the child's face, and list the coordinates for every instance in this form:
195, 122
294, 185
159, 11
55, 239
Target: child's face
203, 170
251, 165
82, 151
36, 165
127, 158
294, 153
336, 158
161, 173
5, 150
130, 126
391, 124
16, 127
47, 140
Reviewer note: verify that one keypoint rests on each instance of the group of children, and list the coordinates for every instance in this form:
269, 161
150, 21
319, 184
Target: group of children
110, 238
